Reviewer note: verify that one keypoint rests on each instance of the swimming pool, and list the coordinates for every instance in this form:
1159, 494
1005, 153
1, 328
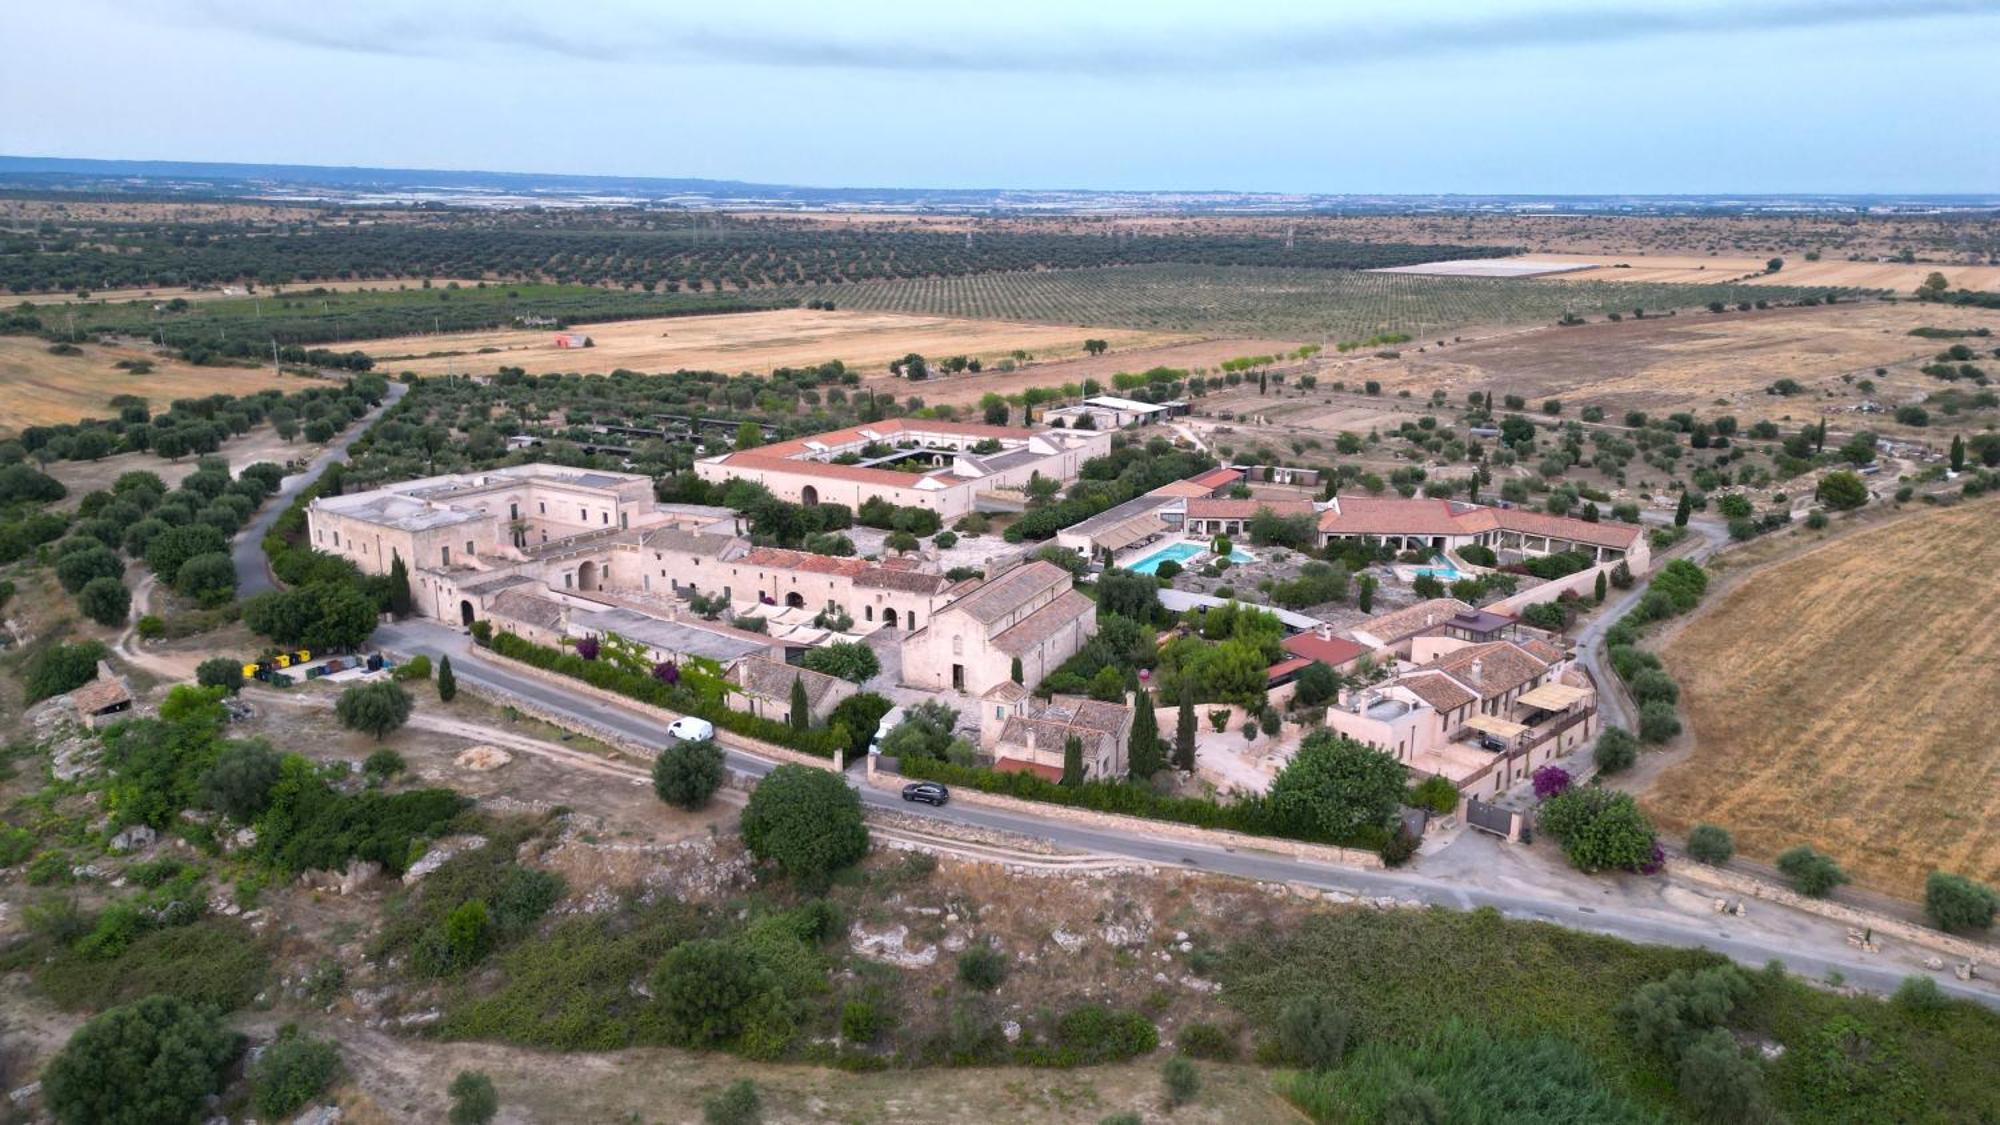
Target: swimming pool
1180, 553
1441, 568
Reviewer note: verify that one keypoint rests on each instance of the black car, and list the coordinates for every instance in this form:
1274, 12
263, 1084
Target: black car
929, 792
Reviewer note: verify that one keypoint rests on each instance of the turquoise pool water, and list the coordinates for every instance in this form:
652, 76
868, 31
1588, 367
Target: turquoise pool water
1180, 553
1441, 569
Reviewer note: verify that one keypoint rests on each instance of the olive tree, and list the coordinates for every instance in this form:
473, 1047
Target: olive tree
805, 820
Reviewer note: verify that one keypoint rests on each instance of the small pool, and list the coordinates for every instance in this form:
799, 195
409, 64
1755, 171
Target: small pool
1180, 553
1441, 569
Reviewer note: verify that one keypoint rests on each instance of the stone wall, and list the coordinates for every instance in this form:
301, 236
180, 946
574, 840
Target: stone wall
1737, 883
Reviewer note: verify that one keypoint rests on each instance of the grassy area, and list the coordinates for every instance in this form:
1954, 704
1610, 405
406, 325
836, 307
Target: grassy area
1271, 302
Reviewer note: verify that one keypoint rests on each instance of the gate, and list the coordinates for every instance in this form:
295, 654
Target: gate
1487, 817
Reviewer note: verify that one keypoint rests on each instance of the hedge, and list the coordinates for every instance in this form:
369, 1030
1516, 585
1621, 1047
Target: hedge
635, 685
1251, 815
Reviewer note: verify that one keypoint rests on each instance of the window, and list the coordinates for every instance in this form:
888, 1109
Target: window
336, 538
468, 548
513, 510
543, 505
957, 646
583, 514
606, 517
444, 554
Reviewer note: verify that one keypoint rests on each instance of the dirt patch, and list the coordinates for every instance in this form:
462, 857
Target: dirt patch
41, 389
755, 342
1840, 699
479, 759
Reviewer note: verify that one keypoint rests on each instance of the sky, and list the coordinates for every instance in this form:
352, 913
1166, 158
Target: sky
1341, 96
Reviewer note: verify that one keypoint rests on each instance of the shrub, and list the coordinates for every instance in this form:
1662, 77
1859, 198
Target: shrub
1551, 781
1955, 903
293, 1071
1311, 1033
1710, 845
737, 1104
859, 1022
704, 990
1207, 1041
61, 668
151, 1061
1812, 874
417, 667
474, 1101
220, 671
1600, 829
1718, 1081
239, 784
1616, 750
847, 660
1092, 1034
1436, 793
982, 967
687, 774
1181, 1079
805, 820
105, 601
383, 764
377, 709
1921, 995
1658, 721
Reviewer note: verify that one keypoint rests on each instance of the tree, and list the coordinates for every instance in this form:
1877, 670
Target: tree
1185, 729
399, 586
801, 711
1958, 453
749, 435
1335, 787
1658, 721
1095, 347
86, 562
105, 601
378, 709
474, 1101
1600, 830
1072, 770
1603, 587
1142, 752
239, 784
1812, 874
1364, 593
737, 1104
62, 668
1956, 904
1311, 1032
687, 774
1683, 509
705, 987
172, 548
1668, 1014
209, 579
1710, 845
154, 1060
1181, 1079
982, 967
292, 1071
1317, 684
220, 671
849, 660
1718, 1081
901, 542
1015, 673
805, 820
1842, 491
447, 681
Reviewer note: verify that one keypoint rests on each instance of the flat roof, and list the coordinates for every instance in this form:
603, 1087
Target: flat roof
673, 636
1554, 696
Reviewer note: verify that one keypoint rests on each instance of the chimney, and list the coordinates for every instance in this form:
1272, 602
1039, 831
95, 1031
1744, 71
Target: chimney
1325, 631
1031, 740
1477, 666
1430, 619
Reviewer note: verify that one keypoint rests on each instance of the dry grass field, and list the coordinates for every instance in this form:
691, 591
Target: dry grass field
39, 389
1695, 268
1695, 361
1844, 699
754, 342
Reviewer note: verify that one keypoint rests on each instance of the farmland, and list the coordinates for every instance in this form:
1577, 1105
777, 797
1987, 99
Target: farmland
1697, 360
40, 389
758, 341
1898, 276
1887, 762
1268, 303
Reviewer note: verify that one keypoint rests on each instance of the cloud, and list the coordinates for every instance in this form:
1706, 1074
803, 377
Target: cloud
603, 32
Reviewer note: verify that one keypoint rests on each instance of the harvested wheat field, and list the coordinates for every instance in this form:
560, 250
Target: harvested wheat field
1899, 276
1695, 361
736, 342
40, 389
1844, 699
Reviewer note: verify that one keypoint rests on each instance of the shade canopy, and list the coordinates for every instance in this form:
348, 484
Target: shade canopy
1495, 726
1555, 697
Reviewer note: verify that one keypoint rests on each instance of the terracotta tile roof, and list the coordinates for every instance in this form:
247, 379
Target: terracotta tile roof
108, 690
1599, 534
907, 581
772, 680
1437, 689
1212, 509
1044, 623
1015, 765
779, 558
1411, 620
1503, 666
1390, 515
1183, 489
1542, 650
528, 608
1216, 478
1006, 691
1004, 593
1287, 667
1331, 651
761, 458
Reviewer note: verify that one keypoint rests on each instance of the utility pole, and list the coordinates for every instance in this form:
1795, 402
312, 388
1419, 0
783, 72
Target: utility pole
276, 369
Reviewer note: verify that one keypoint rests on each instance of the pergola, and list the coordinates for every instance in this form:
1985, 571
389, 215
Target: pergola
1554, 697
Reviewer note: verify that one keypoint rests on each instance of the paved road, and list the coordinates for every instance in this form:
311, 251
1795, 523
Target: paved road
1611, 702
1735, 938
253, 575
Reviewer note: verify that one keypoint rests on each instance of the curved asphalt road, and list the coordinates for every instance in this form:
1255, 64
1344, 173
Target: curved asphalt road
253, 575
1726, 936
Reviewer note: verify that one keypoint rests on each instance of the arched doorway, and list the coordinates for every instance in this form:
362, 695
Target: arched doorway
889, 618
809, 496
465, 614
586, 576
795, 600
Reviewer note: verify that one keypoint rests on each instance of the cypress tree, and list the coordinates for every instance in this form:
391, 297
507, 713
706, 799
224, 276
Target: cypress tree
1601, 587
1681, 511
1143, 752
399, 587
1184, 730
1958, 453
1015, 671
1072, 761
447, 682
801, 709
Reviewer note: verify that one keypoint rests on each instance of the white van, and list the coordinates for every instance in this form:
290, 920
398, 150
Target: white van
890, 721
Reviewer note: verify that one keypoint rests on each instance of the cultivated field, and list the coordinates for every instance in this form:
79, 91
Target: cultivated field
39, 389
219, 293
745, 342
1264, 302
1696, 360
1199, 355
1682, 268
1843, 699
